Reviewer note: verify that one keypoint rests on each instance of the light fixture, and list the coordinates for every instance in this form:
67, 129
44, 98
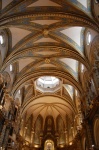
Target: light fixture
0, 107
92, 145
70, 143
36, 146
61, 145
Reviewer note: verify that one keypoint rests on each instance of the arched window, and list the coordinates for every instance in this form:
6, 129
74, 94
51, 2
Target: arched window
96, 1
82, 68
1, 39
11, 68
49, 145
88, 38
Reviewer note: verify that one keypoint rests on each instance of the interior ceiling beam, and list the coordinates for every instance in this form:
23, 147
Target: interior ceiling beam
62, 16
35, 26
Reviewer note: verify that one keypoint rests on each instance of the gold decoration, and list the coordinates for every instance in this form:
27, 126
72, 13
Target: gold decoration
45, 32
47, 60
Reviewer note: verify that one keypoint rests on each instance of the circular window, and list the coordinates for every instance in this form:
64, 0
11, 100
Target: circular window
88, 38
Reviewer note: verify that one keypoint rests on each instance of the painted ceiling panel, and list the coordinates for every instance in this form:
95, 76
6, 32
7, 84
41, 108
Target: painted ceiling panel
38, 110
45, 40
43, 3
49, 110
49, 100
45, 52
69, 88
46, 111
65, 91
61, 108
24, 62
83, 2
58, 105
45, 22
47, 65
71, 62
18, 34
73, 33
5, 3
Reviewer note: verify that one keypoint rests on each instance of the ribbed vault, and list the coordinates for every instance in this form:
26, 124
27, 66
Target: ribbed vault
46, 38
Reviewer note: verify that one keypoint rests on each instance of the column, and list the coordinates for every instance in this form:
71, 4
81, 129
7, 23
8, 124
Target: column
25, 132
66, 137
6, 137
32, 137
2, 135
67, 130
88, 135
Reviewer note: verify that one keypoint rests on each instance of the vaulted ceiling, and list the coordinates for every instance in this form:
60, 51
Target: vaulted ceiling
46, 38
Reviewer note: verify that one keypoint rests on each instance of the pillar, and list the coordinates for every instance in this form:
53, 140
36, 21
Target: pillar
2, 135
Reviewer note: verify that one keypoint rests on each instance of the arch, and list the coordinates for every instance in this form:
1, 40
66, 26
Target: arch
36, 74
85, 21
84, 144
60, 130
49, 145
4, 45
38, 128
62, 52
29, 126
96, 131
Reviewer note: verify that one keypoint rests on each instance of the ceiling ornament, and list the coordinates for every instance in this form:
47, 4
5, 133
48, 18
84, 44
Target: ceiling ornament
45, 32
47, 60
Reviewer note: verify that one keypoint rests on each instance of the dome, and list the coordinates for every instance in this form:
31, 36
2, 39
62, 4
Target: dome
47, 83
